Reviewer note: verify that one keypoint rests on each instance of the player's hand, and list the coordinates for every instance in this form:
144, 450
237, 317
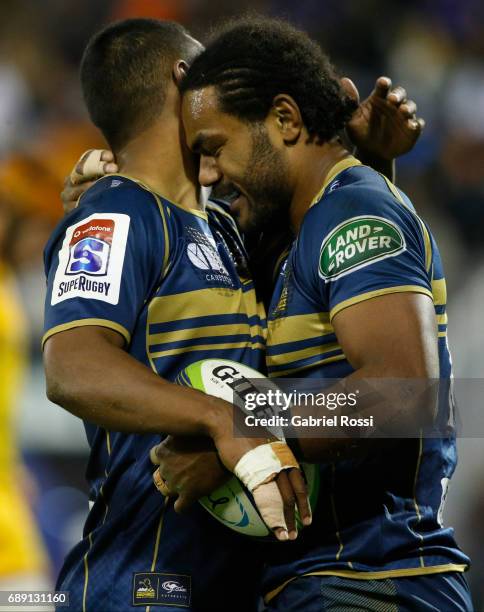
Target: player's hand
385, 125
189, 467
294, 492
269, 470
92, 165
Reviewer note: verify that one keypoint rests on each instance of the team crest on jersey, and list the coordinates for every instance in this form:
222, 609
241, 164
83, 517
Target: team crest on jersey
358, 242
156, 588
91, 259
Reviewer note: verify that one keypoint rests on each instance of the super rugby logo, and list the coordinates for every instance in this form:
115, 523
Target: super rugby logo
90, 247
91, 259
358, 242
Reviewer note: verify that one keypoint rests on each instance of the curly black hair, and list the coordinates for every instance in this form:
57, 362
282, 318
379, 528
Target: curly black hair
252, 60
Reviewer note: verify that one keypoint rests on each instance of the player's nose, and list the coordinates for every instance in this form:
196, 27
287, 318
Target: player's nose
209, 172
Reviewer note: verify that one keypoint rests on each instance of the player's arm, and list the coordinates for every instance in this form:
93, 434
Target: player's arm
89, 373
384, 126
393, 339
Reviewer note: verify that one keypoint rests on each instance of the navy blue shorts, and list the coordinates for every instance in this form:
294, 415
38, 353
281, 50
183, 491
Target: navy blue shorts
432, 593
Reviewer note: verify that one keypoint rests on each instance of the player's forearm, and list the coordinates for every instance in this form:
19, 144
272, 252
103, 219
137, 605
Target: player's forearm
390, 404
101, 383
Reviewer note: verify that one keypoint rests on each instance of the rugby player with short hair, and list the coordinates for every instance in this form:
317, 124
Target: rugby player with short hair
360, 294
142, 281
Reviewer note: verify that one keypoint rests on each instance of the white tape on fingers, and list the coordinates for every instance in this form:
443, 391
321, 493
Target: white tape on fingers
263, 463
91, 168
270, 505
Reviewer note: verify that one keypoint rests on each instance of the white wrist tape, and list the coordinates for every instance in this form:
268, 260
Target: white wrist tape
263, 463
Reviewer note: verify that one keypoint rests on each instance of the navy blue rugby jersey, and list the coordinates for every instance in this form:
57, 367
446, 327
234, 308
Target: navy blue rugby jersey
174, 283
380, 516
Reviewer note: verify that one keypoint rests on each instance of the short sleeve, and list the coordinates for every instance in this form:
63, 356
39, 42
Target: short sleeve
103, 261
363, 244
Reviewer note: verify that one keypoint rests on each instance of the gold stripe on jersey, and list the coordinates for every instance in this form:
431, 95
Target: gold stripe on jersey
305, 353
157, 540
377, 575
423, 227
86, 574
372, 294
302, 327
439, 290
322, 361
85, 323
344, 164
198, 212
229, 329
158, 533
211, 301
415, 501
310, 326
206, 347
194, 304
442, 319
166, 236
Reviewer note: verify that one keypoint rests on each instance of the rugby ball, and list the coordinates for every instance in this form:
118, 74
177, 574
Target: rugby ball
232, 504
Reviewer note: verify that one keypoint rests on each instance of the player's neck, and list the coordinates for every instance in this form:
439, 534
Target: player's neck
313, 168
159, 160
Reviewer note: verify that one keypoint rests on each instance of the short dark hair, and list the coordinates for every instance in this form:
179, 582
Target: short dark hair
124, 70
253, 59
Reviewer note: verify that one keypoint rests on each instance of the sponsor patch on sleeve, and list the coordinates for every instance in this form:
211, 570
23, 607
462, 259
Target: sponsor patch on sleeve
91, 259
356, 243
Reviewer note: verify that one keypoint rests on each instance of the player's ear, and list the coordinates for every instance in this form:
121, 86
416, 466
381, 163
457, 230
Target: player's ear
287, 118
180, 68
350, 89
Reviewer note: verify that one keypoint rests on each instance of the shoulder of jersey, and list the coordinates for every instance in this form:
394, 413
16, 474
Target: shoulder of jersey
117, 190
355, 191
110, 194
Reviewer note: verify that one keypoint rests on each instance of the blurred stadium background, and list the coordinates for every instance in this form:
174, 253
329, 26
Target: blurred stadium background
435, 48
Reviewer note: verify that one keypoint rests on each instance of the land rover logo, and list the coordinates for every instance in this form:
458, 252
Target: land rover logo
358, 242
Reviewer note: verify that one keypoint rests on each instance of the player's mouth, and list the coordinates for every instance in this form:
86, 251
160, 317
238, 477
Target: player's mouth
238, 202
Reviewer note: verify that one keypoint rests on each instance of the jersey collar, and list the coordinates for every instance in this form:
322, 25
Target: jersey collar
344, 164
